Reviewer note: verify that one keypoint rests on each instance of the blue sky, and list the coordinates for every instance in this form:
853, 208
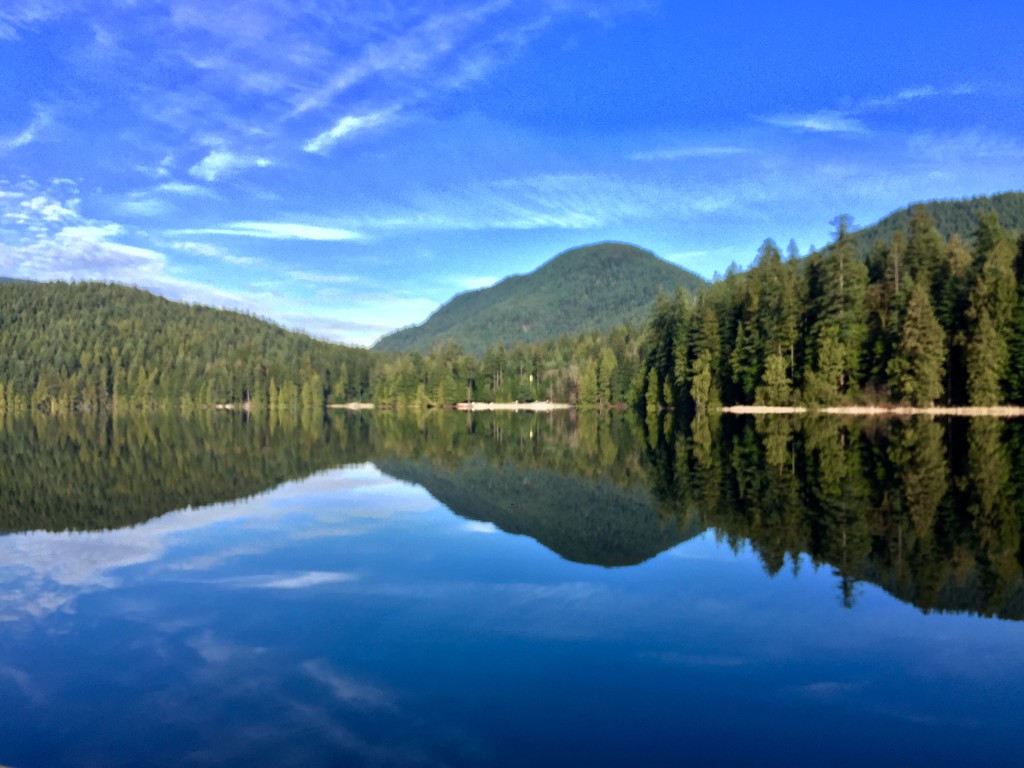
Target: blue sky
344, 168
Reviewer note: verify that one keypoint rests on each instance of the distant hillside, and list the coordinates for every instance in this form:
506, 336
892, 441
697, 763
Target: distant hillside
596, 287
89, 346
959, 216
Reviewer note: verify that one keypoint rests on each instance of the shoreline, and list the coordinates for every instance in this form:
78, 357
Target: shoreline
1000, 411
540, 406
884, 411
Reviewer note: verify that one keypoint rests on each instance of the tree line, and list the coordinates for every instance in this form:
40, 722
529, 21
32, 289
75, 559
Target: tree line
925, 508
922, 319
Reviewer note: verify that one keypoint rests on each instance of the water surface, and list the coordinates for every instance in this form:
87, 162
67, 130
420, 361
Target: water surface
495, 589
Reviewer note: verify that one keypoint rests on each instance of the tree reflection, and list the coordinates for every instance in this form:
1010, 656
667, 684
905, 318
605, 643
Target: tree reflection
926, 509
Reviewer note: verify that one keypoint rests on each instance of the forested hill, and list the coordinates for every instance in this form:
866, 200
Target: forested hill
921, 319
88, 346
951, 217
596, 287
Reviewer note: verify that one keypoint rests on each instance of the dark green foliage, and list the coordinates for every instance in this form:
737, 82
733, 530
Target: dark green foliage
590, 369
917, 367
921, 321
593, 288
950, 216
927, 510
584, 497
91, 346
99, 471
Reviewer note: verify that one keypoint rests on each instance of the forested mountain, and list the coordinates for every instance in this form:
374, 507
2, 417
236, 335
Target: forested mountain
593, 288
92, 346
959, 217
922, 318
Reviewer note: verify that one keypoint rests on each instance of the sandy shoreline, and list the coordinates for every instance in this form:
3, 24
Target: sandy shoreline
1001, 411
540, 406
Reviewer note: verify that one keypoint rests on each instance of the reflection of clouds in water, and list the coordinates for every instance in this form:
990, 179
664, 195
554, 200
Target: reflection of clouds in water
347, 689
700, 660
475, 526
215, 651
828, 690
278, 710
44, 572
208, 562
24, 683
277, 581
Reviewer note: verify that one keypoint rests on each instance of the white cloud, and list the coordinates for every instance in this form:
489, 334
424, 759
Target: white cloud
188, 190
686, 152
220, 162
346, 126
41, 121
412, 53
305, 276
849, 120
213, 252
18, 13
140, 205
276, 230
907, 94
825, 121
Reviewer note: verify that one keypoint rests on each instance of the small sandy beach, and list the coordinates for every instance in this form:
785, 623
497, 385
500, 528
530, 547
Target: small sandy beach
541, 406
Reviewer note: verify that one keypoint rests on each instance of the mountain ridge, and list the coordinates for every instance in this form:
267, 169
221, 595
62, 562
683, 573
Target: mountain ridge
590, 287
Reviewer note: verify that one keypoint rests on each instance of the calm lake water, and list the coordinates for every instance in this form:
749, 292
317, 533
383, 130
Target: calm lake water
510, 590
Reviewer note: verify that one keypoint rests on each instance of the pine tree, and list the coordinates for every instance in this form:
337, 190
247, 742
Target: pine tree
987, 356
916, 369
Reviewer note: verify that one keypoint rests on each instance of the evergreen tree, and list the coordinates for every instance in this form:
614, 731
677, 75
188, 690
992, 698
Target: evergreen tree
916, 370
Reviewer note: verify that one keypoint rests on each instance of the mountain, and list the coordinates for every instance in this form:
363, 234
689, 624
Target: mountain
595, 287
88, 346
951, 216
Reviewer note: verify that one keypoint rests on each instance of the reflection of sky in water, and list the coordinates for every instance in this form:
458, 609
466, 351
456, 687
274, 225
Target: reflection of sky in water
351, 619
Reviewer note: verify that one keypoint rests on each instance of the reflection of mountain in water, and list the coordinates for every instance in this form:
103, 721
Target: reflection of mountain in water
586, 521
928, 510
97, 473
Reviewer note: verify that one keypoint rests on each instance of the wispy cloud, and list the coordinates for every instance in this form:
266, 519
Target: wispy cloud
307, 276
901, 97
276, 230
851, 120
825, 121
408, 54
39, 122
348, 125
213, 252
21, 13
185, 189
550, 201
686, 152
221, 162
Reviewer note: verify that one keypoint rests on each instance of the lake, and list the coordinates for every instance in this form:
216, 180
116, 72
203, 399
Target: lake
452, 589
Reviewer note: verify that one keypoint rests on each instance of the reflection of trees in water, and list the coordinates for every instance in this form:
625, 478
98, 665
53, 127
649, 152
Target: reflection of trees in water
97, 472
926, 509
